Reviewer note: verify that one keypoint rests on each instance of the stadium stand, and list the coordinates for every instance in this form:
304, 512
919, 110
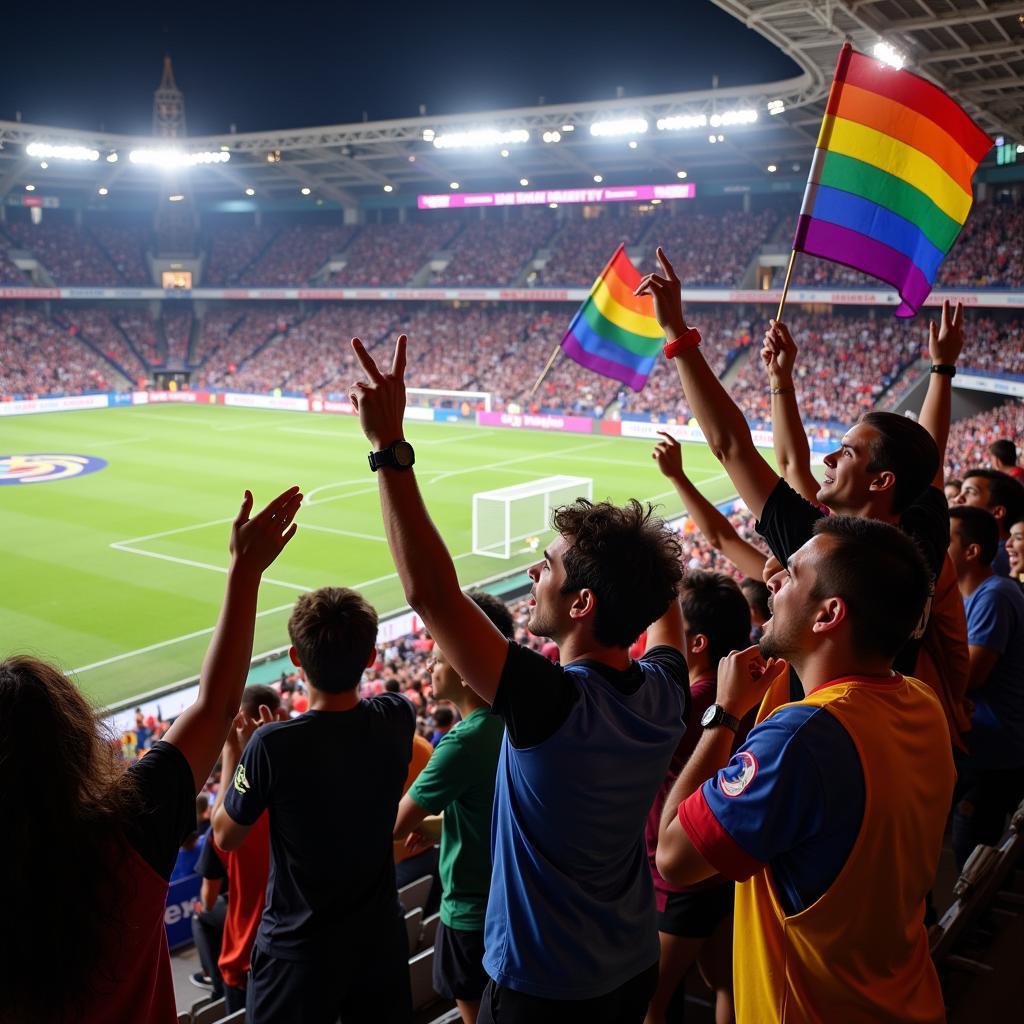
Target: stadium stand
390, 254
124, 245
969, 438
297, 253
177, 328
96, 327
232, 248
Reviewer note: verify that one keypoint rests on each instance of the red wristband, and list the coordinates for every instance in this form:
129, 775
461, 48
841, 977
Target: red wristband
688, 339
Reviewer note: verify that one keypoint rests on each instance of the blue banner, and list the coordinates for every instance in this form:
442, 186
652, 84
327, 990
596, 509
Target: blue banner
181, 899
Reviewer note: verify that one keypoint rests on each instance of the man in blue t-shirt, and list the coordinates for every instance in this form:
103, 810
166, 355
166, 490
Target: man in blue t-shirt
332, 940
570, 931
991, 777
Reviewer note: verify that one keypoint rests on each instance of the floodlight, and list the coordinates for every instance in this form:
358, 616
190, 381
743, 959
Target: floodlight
45, 149
682, 122
43, 165
30, 188
389, 188
478, 137
598, 179
552, 137
103, 191
504, 152
889, 55
568, 127
772, 168
111, 158
552, 206
305, 190
453, 185
170, 159
621, 126
175, 198
776, 107
250, 191
712, 139
731, 117
1020, 148
633, 143
524, 182
681, 175
655, 202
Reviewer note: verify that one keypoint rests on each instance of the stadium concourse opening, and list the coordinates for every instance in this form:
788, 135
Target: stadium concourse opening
720, 602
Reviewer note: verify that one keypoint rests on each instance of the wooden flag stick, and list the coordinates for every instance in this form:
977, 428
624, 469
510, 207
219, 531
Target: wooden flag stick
785, 284
544, 372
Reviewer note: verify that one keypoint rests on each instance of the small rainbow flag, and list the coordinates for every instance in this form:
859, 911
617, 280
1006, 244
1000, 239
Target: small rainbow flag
614, 332
890, 183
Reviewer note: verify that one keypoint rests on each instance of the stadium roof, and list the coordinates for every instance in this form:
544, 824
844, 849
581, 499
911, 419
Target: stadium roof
972, 50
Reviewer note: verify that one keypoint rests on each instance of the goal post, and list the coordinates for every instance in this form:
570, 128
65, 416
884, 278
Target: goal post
431, 397
508, 516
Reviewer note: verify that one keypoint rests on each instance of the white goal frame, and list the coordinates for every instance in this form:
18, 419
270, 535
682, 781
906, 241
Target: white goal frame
506, 496
440, 394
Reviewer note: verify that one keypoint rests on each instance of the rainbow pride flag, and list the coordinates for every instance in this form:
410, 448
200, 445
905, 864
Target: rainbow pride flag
614, 332
890, 183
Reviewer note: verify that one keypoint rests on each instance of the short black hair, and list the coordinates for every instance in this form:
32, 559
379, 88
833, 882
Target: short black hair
627, 556
333, 630
880, 574
1002, 490
905, 449
443, 716
392, 686
1004, 450
496, 610
757, 593
714, 605
257, 694
978, 526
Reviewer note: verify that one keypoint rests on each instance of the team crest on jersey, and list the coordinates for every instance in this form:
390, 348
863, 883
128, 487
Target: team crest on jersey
44, 469
241, 782
747, 770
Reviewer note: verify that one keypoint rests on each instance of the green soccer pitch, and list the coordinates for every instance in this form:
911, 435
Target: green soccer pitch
118, 575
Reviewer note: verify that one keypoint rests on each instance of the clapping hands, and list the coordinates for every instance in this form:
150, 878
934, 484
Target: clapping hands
256, 542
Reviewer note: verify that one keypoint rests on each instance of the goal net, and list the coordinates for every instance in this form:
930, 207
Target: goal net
512, 520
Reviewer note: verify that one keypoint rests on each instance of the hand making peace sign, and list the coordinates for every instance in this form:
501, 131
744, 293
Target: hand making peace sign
380, 401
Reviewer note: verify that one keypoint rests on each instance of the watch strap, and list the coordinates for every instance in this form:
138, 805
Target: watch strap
690, 338
722, 717
945, 369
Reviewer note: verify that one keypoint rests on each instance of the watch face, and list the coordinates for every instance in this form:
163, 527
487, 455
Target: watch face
403, 453
709, 716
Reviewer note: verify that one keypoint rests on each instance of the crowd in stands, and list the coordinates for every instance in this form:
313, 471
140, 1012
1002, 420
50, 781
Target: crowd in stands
140, 327
477, 261
969, 438
10, 272
125, 247
716, 248
230, 249
177, 325
297, 254
97, 327
391, 254
40, 357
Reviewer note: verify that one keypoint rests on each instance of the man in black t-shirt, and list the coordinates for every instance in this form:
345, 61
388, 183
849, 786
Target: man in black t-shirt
887, 467
332, 939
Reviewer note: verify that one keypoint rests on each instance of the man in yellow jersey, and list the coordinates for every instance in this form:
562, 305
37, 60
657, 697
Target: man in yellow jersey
830, 816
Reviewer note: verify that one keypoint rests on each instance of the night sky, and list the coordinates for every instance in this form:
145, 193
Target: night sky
283, 65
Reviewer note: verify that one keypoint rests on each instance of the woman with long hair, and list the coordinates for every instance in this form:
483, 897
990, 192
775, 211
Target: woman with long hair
89, 843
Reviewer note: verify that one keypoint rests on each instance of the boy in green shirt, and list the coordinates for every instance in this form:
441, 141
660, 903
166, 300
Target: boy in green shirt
459, 781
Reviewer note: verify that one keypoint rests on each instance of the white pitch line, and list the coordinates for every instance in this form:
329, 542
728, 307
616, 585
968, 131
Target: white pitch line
209, 629
345, 533
201, 565
337, 434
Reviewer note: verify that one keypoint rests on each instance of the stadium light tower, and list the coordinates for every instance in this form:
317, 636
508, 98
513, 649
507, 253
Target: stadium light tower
168, 106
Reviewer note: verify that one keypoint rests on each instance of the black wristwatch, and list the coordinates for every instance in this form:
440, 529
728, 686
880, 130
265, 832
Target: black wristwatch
945, 369
397, 455
717, 715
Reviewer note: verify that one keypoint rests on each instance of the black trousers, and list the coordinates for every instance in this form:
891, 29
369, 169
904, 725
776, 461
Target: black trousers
207, 933
625, 1005
363, 984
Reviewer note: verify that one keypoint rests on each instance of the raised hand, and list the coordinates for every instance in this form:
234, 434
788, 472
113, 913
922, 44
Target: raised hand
946, 341
242, 729
380, 400
256, 542
668, 454
744, 678
668, 299
778, 353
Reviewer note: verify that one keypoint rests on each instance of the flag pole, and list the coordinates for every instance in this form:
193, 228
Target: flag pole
785, 284
544, 372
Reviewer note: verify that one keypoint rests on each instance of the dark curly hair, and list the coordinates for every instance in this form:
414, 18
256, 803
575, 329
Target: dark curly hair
627, 556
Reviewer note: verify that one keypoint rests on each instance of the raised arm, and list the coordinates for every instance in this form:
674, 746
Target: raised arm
944, 345
792, 452
717, 530
199, 731
470, 641
727, 432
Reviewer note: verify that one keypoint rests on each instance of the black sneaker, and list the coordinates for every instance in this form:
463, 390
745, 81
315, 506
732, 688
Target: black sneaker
201, 980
